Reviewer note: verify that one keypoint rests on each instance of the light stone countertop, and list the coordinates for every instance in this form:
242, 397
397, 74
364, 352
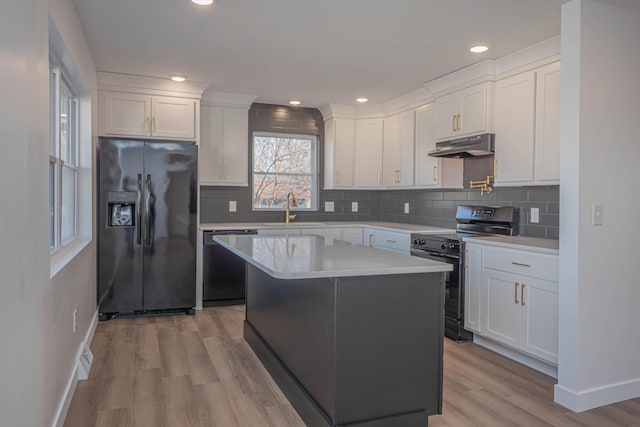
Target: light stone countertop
309, 256
394, 226
535, 244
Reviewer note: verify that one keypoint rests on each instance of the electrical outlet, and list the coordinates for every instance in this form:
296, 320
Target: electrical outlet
535, 215
328, 206
232, 206
75, 321
406, 208
354, 206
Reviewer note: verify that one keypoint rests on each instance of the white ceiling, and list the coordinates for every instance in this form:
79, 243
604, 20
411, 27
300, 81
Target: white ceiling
316, 51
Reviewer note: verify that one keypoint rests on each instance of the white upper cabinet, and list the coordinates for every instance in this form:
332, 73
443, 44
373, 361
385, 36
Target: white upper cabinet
224, 146
515, 123
338, 152
368, 153
528, 128
139, 115
547, 141
398, 150
433, 172
173, 117
464, 112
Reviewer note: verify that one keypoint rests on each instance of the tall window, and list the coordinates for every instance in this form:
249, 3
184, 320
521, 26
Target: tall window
63, 163
284, 163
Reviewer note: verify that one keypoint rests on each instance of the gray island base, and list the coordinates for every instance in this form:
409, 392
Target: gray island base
348, 350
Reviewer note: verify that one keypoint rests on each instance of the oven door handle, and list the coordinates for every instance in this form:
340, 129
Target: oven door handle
422, 252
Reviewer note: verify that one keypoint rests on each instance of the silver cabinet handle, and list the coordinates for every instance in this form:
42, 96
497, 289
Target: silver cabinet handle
520, 264
370, 238
392, 241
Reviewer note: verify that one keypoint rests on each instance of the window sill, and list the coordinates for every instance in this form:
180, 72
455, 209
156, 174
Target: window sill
64, 256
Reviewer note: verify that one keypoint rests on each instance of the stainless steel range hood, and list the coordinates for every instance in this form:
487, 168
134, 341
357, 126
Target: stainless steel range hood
471, 146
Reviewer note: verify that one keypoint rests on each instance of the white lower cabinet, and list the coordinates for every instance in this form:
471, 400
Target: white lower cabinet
352, 235
473, 287
511, 297
278, 231
387, 239
330, 233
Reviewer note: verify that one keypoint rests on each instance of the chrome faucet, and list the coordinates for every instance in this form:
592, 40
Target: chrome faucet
291, 201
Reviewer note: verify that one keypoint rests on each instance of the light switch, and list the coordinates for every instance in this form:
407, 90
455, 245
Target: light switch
598, 213
232, 206
354, 206
535, 215
328, 206
406, 208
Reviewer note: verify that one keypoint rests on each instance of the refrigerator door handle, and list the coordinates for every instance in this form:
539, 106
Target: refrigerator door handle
147, 209
138, 214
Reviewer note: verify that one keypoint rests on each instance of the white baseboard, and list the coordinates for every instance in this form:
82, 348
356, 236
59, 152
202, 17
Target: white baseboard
63, 406
519, 357
597, 396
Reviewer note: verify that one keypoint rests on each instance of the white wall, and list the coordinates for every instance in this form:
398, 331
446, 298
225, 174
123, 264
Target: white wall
74, 287
600, 153
39, 349
24, 227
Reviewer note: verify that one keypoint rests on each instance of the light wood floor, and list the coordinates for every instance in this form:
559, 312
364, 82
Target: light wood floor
198, 371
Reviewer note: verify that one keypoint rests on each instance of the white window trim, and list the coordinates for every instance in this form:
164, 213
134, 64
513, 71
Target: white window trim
315, 176
61, 245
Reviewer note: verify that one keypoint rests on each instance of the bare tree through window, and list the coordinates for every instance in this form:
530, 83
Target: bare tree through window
283, 163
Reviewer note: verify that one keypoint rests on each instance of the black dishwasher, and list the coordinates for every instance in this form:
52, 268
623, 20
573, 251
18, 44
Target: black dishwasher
223, 275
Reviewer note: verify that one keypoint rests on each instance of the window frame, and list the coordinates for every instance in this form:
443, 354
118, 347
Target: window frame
314, 174
59, 85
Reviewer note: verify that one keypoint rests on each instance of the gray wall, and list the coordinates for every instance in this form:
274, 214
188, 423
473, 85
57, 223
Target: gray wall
427, 207
438, 208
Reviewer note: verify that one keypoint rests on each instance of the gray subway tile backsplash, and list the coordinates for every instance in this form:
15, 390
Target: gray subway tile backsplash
427, 207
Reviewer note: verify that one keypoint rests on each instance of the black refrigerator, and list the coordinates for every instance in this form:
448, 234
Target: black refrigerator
147, 225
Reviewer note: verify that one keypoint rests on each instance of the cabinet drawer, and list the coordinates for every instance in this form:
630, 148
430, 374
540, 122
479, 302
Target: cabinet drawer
399, 242
523, 263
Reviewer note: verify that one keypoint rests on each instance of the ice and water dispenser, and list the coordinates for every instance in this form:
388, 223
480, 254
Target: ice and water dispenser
121, 207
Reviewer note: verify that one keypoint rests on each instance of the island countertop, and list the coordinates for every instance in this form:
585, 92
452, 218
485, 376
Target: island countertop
311, 256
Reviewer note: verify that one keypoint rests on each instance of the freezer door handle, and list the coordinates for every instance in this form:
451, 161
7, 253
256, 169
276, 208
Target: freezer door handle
147, 208
138, 214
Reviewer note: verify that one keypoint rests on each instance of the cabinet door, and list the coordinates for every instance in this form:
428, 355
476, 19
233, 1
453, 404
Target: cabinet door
398, 150
547, 140
447, 109
406, 147
329, 233
343, 154
390, 174
502, 304
235, 138
173, 117
369, 237
352, 235
473, 287
125, 114
515, 118
473, 110
539, 303
210, 153
278, 231
368, 153
427, 168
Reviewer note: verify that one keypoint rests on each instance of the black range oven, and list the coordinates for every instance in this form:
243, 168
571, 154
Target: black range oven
449, 248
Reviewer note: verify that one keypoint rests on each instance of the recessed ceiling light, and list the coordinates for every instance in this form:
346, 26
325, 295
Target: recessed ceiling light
362, 100
177, 77
203, 2
479, 48
295, 102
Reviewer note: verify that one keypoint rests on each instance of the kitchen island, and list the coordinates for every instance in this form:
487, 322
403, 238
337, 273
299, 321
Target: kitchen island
352, 335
